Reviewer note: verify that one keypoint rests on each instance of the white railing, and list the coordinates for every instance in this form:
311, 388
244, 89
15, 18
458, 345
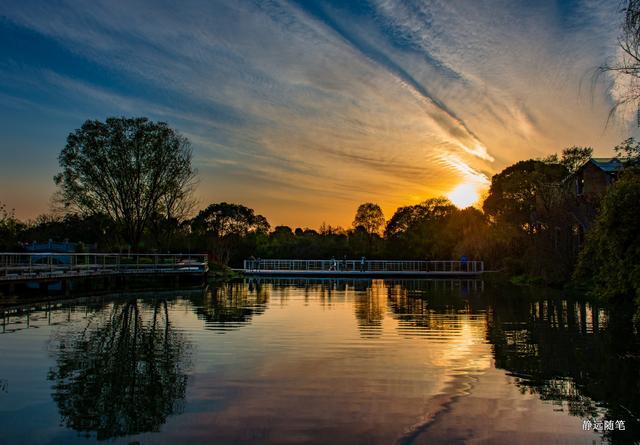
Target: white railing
385, 266
15, 266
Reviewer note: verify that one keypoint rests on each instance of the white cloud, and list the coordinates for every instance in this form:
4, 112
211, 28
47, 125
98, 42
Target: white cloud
280, 102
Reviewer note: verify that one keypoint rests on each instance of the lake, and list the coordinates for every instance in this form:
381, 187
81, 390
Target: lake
278, 361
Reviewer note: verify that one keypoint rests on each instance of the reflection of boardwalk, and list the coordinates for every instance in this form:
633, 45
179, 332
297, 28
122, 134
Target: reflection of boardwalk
362, 268
51, 313
363, 283
42, 267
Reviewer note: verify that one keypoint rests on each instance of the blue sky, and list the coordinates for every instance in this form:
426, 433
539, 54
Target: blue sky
303, 109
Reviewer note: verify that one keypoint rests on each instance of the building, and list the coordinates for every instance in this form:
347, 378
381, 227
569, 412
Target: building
595, 176
44, 250
589, 183
52, 247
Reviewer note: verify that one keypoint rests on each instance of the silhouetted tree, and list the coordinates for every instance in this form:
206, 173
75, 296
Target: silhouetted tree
529, 206
86, 229
405, 217
282, 232
281, 244
10, 228
370, 220
575, 157
472, 234
629, 151
418, 231
515, 192
225, 226
370, 217
130, 170
610, 260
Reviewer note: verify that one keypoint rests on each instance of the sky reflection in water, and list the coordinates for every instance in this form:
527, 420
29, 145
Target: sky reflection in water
347, 362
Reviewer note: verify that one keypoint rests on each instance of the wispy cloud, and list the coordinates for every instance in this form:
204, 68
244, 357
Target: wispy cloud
298, 107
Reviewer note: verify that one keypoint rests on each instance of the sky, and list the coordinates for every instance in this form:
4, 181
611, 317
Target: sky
302, 110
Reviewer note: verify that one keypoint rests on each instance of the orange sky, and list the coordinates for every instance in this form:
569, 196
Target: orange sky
305, 110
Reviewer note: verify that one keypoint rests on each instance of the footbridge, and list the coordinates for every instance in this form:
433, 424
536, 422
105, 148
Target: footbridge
42, 267
361, 268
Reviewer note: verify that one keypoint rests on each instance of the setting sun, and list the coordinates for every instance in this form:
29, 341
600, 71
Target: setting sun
463, 196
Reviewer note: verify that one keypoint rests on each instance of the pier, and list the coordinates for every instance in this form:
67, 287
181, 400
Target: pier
46, 267
359, 268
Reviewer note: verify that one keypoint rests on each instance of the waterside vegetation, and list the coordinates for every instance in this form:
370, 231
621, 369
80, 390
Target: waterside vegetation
117, 192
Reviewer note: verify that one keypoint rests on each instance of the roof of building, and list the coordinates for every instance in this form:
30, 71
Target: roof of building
65, 247
609, 165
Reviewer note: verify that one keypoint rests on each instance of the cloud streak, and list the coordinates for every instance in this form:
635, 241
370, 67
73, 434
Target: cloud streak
303, 109
438, 111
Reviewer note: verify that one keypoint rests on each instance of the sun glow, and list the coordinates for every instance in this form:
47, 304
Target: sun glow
463, 196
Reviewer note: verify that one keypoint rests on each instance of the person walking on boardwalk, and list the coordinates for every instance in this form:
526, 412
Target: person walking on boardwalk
363, 262
334, 264
464, 261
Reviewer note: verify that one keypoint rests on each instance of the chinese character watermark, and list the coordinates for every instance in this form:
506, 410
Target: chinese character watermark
602, 425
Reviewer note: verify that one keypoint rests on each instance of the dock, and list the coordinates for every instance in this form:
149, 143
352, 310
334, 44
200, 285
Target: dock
360, 268
46, 267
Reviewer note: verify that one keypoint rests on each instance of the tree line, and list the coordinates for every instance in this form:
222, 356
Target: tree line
127, 184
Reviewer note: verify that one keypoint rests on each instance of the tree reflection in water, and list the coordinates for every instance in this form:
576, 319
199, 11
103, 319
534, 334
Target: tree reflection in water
421, 305
229, 306
582, 357
124, 374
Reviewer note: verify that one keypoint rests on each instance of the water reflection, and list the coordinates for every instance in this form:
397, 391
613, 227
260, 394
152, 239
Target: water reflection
333, 361
582, 358
423, 307
370, 308
229, 306
123, 373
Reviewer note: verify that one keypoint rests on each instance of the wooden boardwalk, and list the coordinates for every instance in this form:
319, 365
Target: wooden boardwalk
41, 267
360, 268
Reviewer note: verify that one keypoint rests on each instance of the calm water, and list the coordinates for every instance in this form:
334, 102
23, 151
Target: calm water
319, 362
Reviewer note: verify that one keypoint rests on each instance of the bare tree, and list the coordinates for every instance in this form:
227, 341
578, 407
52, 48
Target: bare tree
131, 170
627, 66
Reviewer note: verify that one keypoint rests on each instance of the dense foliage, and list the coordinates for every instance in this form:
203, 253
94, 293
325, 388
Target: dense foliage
610, 261
127, 185
526, 228
225, 229
10, 228
529, 205
369, 217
